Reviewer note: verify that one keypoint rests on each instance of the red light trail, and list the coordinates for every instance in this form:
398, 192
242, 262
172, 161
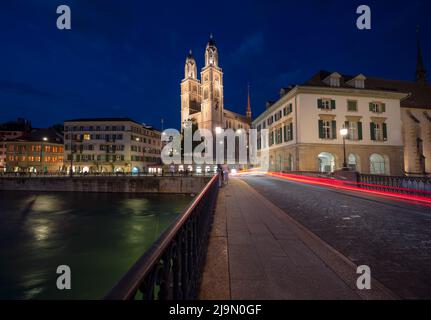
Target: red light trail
385, 191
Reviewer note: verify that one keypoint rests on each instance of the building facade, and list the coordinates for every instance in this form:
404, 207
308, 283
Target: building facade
9, 131
304, 126
202, 100
40, 151
109, 145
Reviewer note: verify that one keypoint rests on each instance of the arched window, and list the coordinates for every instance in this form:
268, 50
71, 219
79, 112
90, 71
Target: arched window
326, 162
289, 162
352, 162
206, 94
377, 164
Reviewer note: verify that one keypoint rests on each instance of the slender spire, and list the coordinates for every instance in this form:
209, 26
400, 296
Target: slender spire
420, 69
248, 113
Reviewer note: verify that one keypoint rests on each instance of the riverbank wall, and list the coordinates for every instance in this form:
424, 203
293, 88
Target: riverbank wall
147, 184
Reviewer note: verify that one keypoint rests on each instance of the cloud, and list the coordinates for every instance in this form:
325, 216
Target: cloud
251, 45
24, 89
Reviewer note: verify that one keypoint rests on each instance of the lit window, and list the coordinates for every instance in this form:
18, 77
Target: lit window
87, 137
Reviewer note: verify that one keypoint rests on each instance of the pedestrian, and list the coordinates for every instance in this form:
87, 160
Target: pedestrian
220, 176
226, 174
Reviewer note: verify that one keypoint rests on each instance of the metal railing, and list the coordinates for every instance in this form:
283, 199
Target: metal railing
171, 269
105, 174
420, 186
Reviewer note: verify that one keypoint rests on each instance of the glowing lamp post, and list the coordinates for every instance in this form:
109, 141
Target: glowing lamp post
44, 139
344, 132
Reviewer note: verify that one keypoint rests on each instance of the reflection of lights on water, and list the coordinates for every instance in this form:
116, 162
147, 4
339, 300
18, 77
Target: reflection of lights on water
41, 232
47, 203
134, 206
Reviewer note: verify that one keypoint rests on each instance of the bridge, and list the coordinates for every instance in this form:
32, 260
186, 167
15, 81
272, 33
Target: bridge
281, 237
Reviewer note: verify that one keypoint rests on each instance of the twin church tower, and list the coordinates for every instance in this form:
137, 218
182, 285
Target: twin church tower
202, 100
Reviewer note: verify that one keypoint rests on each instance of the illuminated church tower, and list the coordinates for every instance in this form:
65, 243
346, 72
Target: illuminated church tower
202, 100
190, 90
212, 89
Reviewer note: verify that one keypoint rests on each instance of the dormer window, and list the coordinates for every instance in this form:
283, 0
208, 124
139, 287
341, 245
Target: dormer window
357, 82
333, 80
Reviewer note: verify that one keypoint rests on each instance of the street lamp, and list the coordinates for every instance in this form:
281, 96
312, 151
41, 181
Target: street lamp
344, 132
44, 139
218, 130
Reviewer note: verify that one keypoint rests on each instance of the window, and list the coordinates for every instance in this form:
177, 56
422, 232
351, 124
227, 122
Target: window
86, 137
327, 129
378, 131
334, 82
326, 104
352, 105
377, 164
287, 110
352, 163
279, 137
355, 130
288, 132
377, 107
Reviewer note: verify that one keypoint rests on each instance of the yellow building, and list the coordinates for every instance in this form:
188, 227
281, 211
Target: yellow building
40, 151
202, 101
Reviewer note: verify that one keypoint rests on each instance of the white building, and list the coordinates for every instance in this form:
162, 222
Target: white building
304, 126
111, 145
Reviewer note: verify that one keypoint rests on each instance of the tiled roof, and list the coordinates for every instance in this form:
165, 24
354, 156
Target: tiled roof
420, 94
39, 134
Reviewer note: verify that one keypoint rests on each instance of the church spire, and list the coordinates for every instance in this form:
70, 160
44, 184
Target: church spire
248, 113
420, 69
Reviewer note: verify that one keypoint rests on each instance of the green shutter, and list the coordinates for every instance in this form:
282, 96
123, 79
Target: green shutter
319, 103
291, 131
320, 129
383, 107
373, 131
359, 130
385, 132
334, 129
332, 104
371, 106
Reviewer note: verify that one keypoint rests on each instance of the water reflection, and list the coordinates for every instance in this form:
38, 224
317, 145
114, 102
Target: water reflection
98, 235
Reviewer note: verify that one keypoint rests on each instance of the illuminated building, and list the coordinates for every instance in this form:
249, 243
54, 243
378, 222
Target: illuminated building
304, 125
109, 145
202, 101
40, 151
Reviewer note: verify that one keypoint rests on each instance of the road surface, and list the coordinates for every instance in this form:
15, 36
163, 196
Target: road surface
393, 238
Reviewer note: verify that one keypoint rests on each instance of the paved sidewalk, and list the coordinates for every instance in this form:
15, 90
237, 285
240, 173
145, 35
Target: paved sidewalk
256, 251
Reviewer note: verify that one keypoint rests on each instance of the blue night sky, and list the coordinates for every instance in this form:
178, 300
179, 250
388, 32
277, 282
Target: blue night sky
126, 58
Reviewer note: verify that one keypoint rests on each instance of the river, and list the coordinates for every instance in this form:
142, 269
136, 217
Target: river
99, 236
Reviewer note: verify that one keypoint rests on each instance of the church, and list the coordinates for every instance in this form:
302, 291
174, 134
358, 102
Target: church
202, 101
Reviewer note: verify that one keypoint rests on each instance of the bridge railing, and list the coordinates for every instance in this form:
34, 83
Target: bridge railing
110, 174
420, 186
411, 185
171, 269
